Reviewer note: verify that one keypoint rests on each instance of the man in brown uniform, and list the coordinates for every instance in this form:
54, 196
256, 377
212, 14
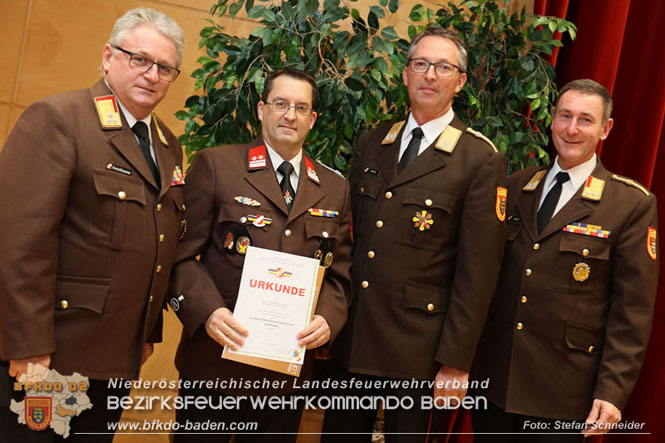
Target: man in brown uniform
271, 195
570, 321
428, 229
92, 213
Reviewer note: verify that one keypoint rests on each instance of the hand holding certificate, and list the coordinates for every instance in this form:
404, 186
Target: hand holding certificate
276, 302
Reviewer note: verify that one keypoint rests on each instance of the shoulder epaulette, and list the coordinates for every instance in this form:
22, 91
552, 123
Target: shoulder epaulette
630, 182
331, 169
481, 136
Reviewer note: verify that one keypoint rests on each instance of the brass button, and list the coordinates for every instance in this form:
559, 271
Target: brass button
365, 284
430, 307
158, 269
161, 238
528, 272
122, 195
288, 233
585, 253
184, 208
591, 348
150, 299
325, 234
520, 326
536, 246
362, 190
63, 304
523, 299
370, 254
428, 202
389, 194
379, 224
159, 207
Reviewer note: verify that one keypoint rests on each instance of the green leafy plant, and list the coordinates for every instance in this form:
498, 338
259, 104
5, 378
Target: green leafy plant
510, 87
356, 62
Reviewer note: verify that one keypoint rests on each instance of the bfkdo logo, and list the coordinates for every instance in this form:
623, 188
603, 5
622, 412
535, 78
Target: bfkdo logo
38, 412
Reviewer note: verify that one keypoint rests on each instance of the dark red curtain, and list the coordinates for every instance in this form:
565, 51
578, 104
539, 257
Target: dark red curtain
618, 45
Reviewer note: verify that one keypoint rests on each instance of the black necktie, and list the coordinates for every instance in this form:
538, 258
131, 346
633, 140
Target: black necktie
411, 150
286, 169
141, 131
551, 199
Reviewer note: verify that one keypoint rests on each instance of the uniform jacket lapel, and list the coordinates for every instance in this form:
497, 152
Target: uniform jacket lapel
387, 158
165, 161
265, 179
308, 194
527, 203
123, 139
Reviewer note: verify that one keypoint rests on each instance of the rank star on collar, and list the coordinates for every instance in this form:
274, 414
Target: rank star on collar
256, 158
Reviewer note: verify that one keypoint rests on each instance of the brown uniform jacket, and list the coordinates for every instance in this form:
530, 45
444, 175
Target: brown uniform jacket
88, 237
552, 342
420, 297
216, 177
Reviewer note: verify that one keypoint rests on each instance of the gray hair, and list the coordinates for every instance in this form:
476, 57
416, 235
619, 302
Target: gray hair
589, 87
436, 31
150, 17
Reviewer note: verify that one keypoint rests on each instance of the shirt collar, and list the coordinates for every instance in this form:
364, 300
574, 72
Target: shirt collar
578, 174
277, 160
432, 129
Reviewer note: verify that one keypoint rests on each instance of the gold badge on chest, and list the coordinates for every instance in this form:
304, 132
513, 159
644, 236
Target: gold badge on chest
581, 272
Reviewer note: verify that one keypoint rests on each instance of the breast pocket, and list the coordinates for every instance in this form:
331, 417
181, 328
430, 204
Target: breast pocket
240, 226
582, 264
427, 216
125, 210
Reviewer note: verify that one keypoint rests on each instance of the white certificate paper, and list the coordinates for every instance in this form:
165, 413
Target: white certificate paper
276, 300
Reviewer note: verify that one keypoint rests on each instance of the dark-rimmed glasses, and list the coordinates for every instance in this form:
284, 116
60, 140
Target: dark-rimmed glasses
142, 63
282, 107
421, 66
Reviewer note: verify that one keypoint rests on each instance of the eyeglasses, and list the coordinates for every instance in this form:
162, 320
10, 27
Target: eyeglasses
142, 63
282, 107
421, 66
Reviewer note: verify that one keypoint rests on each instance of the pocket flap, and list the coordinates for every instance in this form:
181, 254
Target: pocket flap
370, 187
122, 188
585, 245
230, 212
429, 198
426, 298
584, 338
81, 292
322, 227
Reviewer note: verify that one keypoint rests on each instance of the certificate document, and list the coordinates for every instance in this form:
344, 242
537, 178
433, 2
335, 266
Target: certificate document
276, 300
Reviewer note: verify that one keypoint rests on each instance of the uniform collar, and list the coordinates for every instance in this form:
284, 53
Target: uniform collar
578, 174
277, 160
432, 129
